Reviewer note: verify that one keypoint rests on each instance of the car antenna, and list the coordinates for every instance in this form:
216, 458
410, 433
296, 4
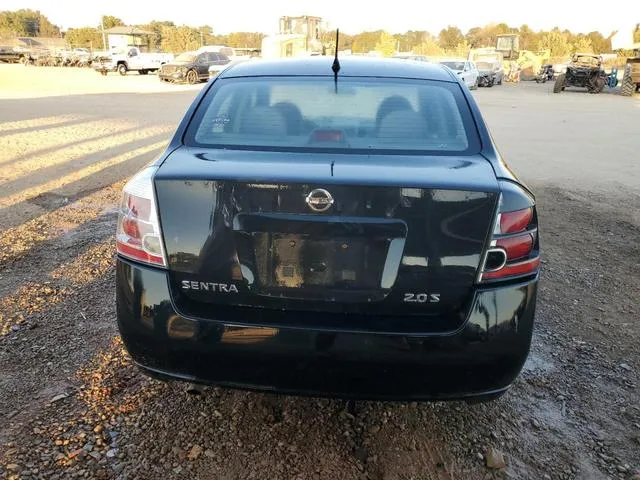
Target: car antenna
336, 63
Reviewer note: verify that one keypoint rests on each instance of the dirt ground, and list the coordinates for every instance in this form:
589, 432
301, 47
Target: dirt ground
73, 406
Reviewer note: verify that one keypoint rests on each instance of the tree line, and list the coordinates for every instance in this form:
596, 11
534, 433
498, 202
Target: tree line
169, 37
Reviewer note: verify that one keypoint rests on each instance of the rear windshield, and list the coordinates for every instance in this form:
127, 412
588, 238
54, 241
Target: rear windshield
311, 113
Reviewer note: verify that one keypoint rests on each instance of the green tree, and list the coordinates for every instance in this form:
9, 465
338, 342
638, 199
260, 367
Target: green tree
460, 50
248, 39
366, 41
450, 37
328, 38
386, 44
429, 47
109, 21
86, 37
556, 41
528, 38
599, 43
26, 23
411, 39
180, 39
582, 44
155, 26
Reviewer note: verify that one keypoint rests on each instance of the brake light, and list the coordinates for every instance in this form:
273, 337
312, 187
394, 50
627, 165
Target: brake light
514, 247
512, 222
138, 233
328, 136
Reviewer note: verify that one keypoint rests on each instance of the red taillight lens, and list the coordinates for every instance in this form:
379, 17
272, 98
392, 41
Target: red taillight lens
138, 235
512, 270
514, 222
516, 247
513, 251
327, 136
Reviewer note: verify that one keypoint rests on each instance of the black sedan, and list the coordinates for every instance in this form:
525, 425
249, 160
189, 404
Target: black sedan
352, 234
191, 67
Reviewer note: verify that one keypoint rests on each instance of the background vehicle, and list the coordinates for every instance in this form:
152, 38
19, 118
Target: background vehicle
631, 79
465, 69
584, 71
228, 52
360, 232
507, 50
546, 74
192, 67
131, 60
490, 73
9, 55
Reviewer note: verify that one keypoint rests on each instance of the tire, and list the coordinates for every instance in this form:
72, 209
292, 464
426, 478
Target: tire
600, 84
559, 85
627, 87
192, 77
143, 72
122, 69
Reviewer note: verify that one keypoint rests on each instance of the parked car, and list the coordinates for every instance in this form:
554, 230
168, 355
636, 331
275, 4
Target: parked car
133, 60
490, 73
353, 235
192, 67
466, 70
9, 55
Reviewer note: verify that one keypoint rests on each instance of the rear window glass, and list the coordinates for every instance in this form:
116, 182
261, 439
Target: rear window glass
364, 114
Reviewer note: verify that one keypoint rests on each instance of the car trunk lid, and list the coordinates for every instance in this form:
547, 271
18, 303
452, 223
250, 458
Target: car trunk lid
363, 235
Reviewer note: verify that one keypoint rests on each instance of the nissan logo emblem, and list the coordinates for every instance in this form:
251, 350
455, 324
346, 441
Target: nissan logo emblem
319, 200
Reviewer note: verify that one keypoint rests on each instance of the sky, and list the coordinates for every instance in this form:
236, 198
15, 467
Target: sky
396, 16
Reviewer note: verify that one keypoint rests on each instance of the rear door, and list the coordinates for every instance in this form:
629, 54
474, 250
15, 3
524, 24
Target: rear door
202, 64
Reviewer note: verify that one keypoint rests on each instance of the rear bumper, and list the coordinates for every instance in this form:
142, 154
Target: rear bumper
480, 359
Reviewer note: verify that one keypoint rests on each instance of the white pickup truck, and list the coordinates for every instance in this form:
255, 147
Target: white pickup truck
131, 60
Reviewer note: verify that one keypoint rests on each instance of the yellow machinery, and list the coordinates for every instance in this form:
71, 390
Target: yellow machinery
507, 50
531, 62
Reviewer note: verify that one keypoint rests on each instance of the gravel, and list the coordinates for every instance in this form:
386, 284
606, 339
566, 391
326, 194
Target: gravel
72, 404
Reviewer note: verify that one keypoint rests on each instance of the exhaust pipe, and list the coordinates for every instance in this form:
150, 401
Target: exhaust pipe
195, 389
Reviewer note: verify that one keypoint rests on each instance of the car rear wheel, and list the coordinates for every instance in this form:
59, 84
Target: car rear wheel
192, 77
559, 85
122, 69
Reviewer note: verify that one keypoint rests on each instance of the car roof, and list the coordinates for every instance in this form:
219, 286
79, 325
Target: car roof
350, 66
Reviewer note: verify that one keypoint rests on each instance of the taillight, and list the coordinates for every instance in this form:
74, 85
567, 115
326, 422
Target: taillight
138, 234
514, 250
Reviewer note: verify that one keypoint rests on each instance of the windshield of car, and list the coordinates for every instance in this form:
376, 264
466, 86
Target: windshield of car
454, 65
186, 57
365, 114
484, 66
